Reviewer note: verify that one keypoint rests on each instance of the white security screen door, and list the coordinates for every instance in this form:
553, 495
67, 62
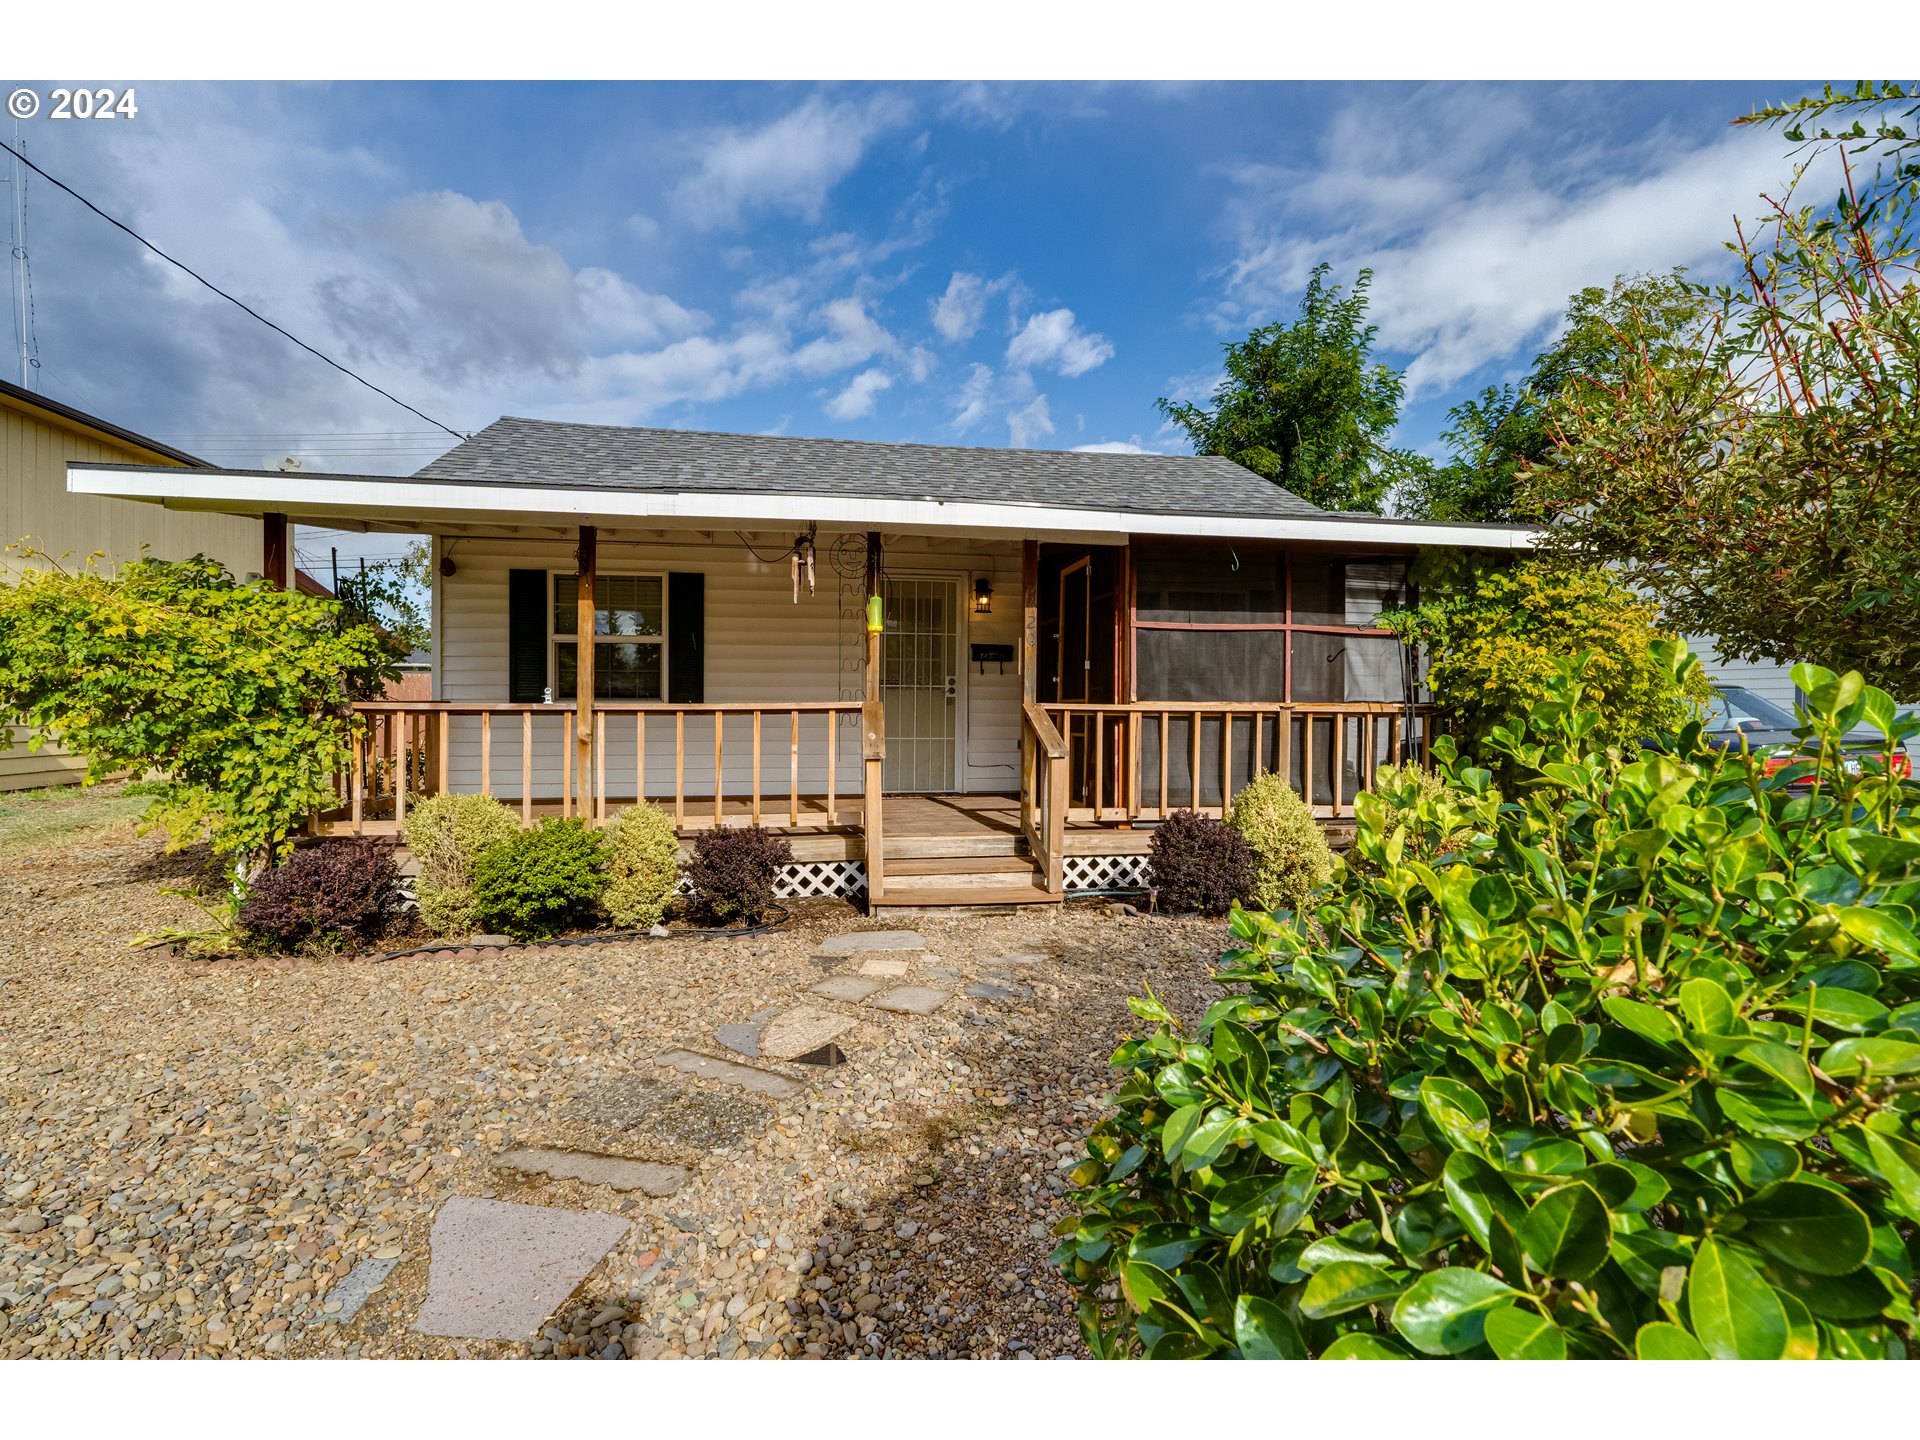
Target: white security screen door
919, 670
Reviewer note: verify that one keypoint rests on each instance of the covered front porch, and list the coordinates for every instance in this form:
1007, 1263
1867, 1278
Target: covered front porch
947, 675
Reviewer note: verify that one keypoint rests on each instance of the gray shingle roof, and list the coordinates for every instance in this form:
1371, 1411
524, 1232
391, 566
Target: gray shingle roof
512, 451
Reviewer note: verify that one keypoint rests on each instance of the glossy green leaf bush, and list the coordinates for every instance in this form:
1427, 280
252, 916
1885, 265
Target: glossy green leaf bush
541, 881
1631, 1070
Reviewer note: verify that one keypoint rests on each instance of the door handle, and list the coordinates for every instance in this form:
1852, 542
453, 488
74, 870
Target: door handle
950, 690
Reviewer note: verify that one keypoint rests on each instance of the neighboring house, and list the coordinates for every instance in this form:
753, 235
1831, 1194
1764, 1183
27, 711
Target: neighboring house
1070, 645
39, 438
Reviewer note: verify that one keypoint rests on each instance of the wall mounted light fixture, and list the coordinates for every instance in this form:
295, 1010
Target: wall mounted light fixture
983, 596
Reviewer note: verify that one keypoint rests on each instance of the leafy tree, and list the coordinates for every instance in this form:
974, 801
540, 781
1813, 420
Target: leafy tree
1497, 435
1495, 644
236, 695
1623, 1064
1759, 480
1305, 404
386, 596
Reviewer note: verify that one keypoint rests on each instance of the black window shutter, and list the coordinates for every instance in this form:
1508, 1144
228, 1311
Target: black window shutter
686, 638
526, 636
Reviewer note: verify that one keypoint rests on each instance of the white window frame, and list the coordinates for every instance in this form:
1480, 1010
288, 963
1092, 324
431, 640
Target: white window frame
556, 638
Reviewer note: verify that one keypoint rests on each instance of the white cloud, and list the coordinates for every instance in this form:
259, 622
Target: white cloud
852, 337
1115, 447
1029, 423
626, 314
1051, 338
974, 398
856, 401
921, 362
956, 314
1476, 232
788, 165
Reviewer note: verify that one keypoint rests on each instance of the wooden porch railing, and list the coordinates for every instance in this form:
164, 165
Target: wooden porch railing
1144, 760
411, 749
1043, 794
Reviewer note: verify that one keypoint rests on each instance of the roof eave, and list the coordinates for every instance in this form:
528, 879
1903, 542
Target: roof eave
425, 505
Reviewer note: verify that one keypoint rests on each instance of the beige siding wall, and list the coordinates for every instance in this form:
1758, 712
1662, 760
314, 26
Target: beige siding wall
35, 507
761, 648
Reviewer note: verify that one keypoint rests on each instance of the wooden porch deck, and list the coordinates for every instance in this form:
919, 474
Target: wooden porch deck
918, 826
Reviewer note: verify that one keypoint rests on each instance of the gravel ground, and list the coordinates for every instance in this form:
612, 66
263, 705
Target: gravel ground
192, 1154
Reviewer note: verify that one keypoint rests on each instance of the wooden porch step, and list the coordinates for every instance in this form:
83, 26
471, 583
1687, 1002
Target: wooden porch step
962, 895
962, 865
952, 847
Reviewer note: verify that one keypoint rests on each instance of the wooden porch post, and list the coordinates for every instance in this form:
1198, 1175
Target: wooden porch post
588, 557
273, 551
1029, 673
873, 718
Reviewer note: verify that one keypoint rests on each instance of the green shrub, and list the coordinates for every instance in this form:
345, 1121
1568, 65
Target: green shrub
1634, 1071
644, 869
542, 881
447, 834
1494, 647
1198, 863
1291, 856
1435, 815
332, 896
730, 874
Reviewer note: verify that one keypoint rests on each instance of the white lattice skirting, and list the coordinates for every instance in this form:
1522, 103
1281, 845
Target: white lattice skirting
1105, 872
811, 879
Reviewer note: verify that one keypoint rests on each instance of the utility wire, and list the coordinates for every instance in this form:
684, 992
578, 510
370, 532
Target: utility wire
223, 294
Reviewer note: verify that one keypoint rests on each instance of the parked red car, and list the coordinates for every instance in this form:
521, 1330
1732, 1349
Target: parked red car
1736, 718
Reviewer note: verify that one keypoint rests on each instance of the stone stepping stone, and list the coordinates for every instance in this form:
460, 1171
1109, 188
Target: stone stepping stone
498, 1270
712, 1067
355, 1290
744, 1038
998, 990
862, 940
640, 1105
911, 999
887, 969
799, 1030
851, 988
614, 1171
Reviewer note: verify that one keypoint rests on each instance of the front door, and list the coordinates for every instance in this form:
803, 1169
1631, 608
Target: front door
920, 675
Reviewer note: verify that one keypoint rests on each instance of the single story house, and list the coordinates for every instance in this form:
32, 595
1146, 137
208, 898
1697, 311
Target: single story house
39, 438
948, 674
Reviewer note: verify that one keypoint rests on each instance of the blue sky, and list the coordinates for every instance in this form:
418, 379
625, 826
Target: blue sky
976, 264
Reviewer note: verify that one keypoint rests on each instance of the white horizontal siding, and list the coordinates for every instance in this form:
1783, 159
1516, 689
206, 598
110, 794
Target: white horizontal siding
761, 649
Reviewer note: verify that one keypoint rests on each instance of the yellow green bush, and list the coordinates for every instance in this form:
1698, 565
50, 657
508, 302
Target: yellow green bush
1291, 856
448, 834
1495, 646
645, 869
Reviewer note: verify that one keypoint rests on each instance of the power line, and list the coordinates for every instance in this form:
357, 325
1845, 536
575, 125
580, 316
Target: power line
224, 295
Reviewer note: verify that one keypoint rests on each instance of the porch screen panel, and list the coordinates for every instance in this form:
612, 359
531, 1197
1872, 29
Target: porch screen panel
1331, 666
1207, 588
1179, 665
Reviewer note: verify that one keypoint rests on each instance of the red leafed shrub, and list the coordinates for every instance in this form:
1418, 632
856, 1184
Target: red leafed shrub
731, 873
1200, 864
330, 896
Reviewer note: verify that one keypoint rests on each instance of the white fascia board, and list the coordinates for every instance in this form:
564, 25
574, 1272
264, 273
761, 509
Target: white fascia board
424, 502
